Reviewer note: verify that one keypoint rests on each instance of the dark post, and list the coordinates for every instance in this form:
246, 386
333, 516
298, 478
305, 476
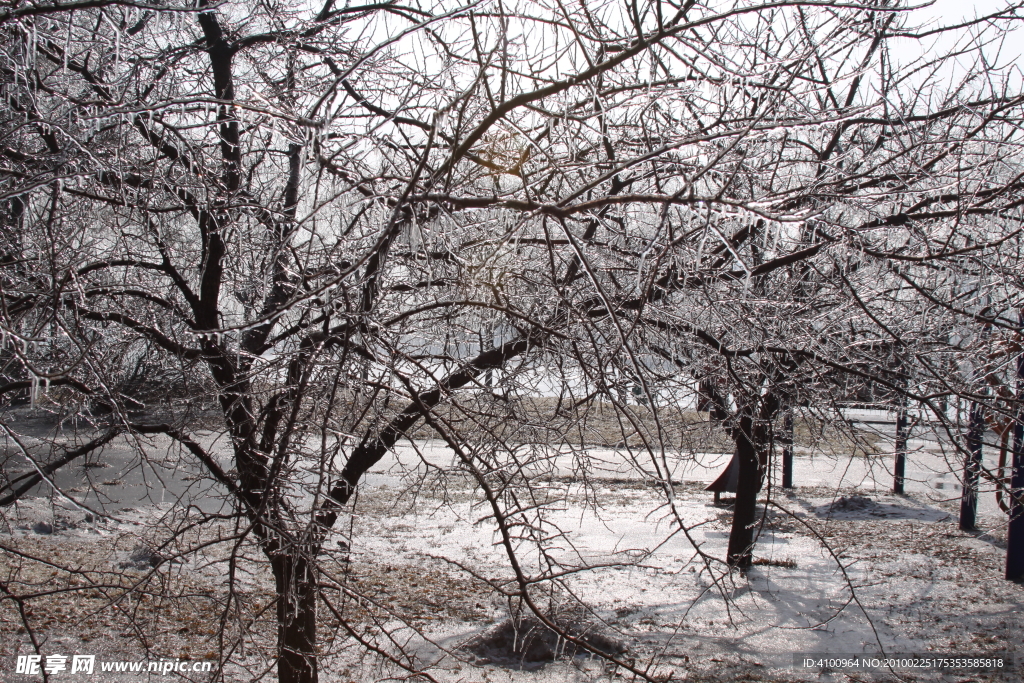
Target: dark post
972, 468
902, 436
1015, 534
787, 449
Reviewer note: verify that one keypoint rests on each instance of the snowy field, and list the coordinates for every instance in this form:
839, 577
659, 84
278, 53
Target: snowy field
842, 567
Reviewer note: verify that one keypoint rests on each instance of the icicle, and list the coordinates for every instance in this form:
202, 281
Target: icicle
67, 46
116, 30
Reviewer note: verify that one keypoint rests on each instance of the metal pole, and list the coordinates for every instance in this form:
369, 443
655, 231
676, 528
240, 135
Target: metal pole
1015, 533
972, 469
787, 450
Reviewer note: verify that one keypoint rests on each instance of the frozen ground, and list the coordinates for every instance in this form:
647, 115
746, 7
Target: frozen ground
899, 578
842, 568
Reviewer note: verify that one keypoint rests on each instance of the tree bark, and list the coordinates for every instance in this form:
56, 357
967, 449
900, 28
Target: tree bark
787, 450
753, 442
902, 437
741, 539
296, 617
1015, 532
972, 468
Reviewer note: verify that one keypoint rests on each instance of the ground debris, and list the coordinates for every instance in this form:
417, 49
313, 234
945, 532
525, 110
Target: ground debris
852, 503
526, 643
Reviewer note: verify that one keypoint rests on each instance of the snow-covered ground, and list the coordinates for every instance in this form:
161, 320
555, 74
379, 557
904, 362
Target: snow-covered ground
842, 567
898, 578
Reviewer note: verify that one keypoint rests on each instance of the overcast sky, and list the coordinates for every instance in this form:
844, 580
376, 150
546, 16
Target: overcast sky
953, 11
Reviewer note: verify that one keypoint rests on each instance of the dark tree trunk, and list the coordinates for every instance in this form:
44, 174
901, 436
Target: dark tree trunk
787, 450
972, 469
902, 429
741, 539
902, 438
1015, 532
753, 442
296, 618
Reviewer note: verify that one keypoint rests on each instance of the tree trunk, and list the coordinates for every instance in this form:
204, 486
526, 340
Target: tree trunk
753, 442
902, 438
741, 539
787, 450
1015, 532
296, 618
972, 468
